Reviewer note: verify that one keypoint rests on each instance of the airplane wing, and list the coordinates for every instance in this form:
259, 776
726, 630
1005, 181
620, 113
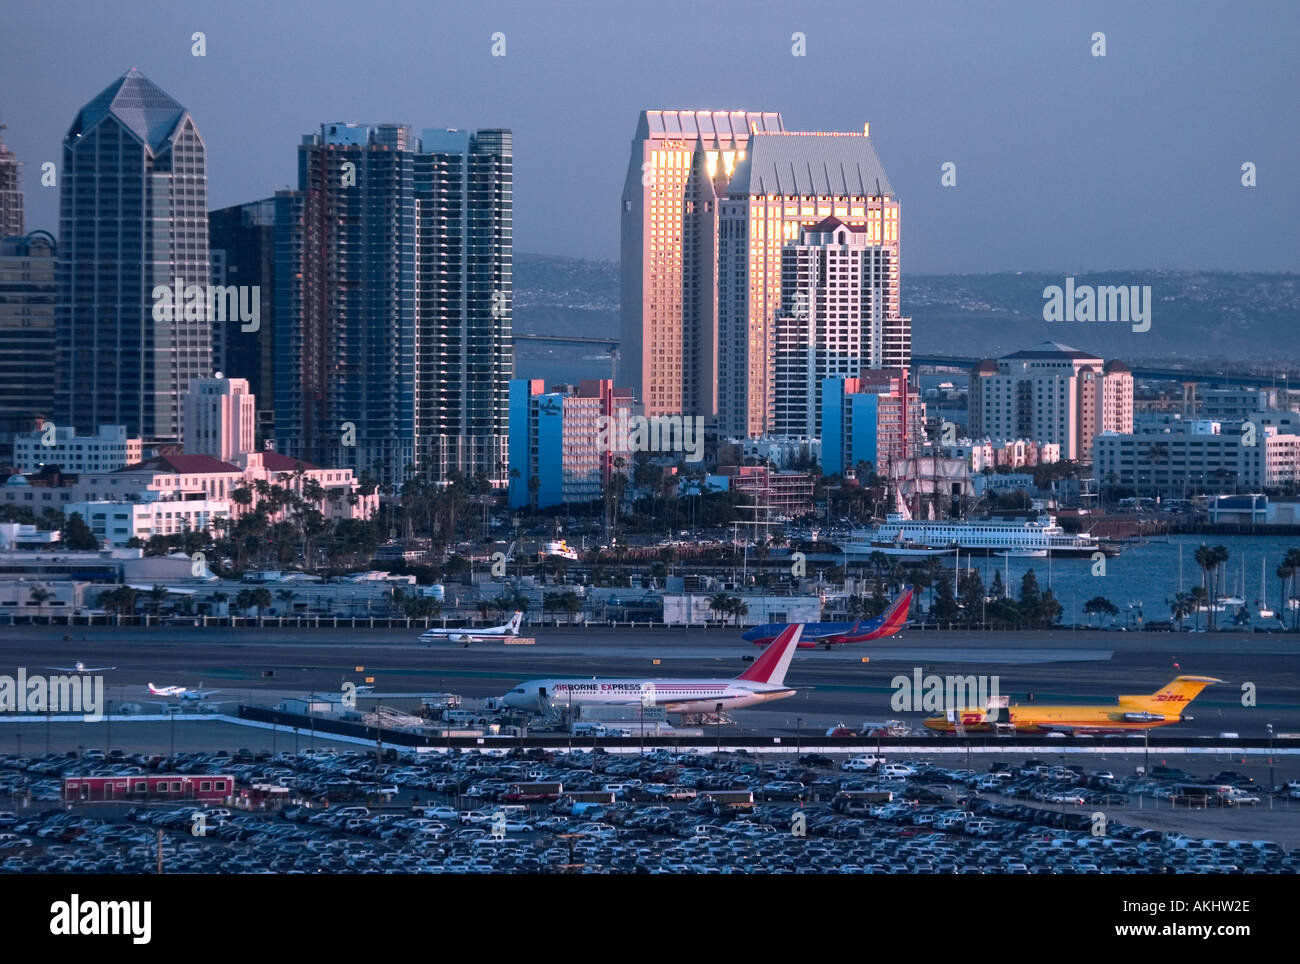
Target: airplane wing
87, 669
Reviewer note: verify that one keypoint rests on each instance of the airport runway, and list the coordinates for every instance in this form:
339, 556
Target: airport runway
837, 685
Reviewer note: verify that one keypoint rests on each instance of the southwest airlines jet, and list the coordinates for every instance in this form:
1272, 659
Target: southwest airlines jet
1128, 714
891, 621
763, 681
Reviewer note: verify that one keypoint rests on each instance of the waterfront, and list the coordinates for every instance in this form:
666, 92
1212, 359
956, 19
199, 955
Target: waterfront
1142, 579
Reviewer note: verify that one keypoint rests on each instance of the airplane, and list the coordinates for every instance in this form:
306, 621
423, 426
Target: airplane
1129, 713
80, 667
185, 693
893, 620
510, 628
762, 682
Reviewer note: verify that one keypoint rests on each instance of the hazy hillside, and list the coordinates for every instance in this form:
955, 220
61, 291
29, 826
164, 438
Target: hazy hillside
1194, 315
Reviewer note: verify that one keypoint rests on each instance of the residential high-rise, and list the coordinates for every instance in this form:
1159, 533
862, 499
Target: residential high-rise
133, 216
681, 163
556, 438
863, 420
242, 239
220, 418
27, 296
786, 182
1051, 393
839, 316
393, 302
11, 193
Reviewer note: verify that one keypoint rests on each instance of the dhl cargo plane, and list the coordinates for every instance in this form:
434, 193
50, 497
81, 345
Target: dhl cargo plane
1128, 714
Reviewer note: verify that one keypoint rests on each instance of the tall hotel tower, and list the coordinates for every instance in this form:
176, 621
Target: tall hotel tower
133, 214
681, 163
393, 291
789, 181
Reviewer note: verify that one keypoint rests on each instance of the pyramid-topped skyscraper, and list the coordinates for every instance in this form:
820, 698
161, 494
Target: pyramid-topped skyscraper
132, 216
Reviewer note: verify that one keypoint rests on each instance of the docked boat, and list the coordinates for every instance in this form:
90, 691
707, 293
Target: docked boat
559, 550
899, 535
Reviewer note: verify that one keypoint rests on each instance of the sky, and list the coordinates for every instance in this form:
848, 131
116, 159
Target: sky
1064, 161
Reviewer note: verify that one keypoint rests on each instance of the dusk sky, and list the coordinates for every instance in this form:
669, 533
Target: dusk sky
1065, 161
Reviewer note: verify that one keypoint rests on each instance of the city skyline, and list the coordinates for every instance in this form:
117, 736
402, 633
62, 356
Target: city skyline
1084, 159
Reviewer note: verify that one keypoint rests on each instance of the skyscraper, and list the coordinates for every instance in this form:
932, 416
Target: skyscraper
27, 296
681, 163
242, 238
132, 216
839, 317
392, 302
11, 194
787, 181
220, 417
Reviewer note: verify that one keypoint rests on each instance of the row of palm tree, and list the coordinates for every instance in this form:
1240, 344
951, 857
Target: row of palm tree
725, 605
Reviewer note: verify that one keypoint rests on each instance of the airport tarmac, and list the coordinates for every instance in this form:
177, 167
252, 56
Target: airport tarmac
850, 683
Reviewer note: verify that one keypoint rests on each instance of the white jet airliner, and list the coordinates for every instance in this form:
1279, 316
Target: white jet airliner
464, 635
80, 667
763, 681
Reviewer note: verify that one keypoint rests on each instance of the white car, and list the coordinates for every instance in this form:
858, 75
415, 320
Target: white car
896, 770
861, 763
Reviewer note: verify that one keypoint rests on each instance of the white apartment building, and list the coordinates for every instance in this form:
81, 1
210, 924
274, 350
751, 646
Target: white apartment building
116, 523
105, 451
1051, 393
838, 317
1197, 456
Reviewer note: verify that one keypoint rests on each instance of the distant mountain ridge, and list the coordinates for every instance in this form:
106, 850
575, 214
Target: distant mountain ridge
1195, 315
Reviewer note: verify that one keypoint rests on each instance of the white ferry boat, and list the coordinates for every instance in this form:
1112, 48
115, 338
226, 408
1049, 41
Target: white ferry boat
900, 535
560, 550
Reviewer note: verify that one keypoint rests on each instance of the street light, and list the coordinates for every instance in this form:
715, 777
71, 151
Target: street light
798, 735
1270, 756
717, 725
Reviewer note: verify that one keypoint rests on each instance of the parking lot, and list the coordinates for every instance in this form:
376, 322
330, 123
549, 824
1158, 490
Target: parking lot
662, 812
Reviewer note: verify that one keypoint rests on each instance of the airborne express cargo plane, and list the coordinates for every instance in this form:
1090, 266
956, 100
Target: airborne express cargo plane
763, 681
470, 635
892, 620
1129, 713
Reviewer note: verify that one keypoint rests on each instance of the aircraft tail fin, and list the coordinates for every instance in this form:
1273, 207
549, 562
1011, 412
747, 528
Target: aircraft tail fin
512, 627
1178, 692
772, 662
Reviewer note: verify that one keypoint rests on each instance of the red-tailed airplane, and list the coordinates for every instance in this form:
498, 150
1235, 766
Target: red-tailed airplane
893, 620
762, 682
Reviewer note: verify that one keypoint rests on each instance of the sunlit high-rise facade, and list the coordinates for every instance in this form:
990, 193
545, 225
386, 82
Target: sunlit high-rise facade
680, 166
789, 181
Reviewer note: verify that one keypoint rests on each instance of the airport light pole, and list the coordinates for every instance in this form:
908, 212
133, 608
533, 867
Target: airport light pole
1270, 756
717, 725
798, 735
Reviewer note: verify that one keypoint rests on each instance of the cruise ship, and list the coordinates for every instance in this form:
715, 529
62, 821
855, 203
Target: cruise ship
900, 535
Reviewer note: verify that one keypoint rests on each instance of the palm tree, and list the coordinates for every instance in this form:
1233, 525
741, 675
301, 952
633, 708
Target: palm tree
721, 604
1180, 607
158, 594
286, 596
